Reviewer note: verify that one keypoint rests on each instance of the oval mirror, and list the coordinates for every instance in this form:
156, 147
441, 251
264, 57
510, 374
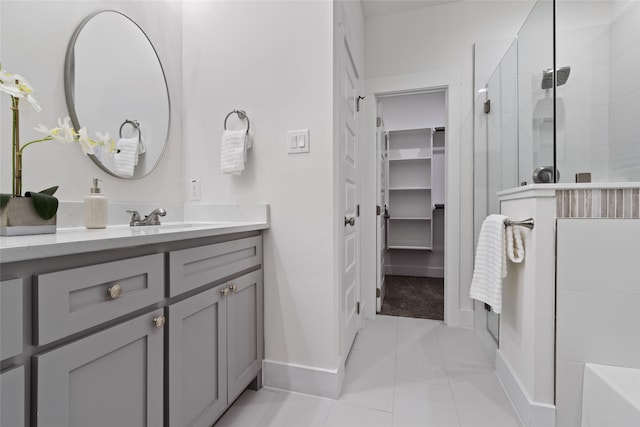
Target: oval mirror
114, 82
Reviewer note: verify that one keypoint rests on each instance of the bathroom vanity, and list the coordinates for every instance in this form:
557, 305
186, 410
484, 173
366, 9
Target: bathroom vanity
130, 327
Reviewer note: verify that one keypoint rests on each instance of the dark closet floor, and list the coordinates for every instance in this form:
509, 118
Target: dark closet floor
408, 296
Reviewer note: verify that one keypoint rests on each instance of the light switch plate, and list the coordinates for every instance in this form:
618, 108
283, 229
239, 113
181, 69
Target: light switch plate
298, 141
194, 193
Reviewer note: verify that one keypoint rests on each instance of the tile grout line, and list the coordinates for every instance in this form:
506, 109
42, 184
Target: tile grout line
453, 396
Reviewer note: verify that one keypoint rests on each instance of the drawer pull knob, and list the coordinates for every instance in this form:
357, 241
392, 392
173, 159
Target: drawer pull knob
159, 321
225, 291
115, 291
234, 287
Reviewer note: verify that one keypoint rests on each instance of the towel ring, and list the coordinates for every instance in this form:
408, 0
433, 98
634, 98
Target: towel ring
242, 115
135, 125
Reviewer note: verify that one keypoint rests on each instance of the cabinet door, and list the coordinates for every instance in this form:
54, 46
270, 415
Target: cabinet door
12, 397
245, 333
11, 328
111, 378
198, 359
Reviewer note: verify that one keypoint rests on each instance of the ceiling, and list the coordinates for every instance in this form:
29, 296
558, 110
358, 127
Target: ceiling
385, 7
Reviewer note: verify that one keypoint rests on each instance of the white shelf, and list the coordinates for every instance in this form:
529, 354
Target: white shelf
411, 248
411, 159
410, 189
410, 218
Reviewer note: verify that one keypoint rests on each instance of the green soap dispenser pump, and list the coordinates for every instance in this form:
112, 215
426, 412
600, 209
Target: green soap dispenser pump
95, 208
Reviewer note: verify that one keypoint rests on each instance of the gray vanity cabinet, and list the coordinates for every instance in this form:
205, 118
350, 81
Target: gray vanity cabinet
198, 359
12, 397
244, 331
216, 341
111, 378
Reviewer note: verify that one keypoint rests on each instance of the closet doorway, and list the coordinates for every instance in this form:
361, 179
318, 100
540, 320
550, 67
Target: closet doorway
411, 130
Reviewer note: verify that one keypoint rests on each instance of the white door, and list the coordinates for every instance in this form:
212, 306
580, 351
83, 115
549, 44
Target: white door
381, 245
349, 155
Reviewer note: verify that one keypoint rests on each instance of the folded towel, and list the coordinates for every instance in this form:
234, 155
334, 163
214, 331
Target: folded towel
515, 247
142, 147
490, 264
233, 151
126, 157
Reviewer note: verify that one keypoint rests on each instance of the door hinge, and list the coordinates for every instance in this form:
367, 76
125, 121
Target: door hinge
358, 99
357, 210
378, 210
358, 307
487, 106
378, 292
378, 122
487, 307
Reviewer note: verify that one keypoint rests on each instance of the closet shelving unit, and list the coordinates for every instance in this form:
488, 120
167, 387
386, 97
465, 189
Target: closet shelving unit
410, 225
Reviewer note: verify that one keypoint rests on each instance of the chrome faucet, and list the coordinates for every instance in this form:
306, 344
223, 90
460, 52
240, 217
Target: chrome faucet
152, 219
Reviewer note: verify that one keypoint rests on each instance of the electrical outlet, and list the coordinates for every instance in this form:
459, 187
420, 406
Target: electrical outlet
194, 193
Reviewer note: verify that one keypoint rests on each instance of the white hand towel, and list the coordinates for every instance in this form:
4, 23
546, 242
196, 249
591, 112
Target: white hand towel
490, 265
515, 247
233, 151
126, 157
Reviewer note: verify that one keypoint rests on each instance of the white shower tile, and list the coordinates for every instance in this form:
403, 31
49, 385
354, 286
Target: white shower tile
426, 405
378, 335
569, 392
291, 409
342, 415
369, 380
481, 401
613, 318
462, 346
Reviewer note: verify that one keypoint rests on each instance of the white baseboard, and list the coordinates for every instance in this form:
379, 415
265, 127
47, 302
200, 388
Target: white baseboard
303, 379
409, 270
532, 414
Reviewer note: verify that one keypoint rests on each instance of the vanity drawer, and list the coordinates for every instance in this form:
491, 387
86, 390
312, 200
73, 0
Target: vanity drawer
70, 301
195, 267
11, 318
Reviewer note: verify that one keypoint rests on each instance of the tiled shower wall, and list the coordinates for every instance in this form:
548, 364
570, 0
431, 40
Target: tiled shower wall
598, 203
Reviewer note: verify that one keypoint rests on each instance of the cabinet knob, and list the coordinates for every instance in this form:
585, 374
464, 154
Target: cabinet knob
349, 221
234, 287
225, 291
159, 321
115, 291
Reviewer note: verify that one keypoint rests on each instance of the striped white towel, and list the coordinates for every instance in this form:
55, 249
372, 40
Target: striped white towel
126, 157
515, 247
490, 265
233, 151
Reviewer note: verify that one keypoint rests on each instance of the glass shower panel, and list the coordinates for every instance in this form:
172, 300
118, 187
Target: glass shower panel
535, 93
598, 103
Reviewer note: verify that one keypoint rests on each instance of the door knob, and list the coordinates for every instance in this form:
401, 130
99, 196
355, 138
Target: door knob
159, 321
225, 291
349, 221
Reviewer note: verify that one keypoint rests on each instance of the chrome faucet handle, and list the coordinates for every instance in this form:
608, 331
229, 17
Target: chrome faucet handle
135, 216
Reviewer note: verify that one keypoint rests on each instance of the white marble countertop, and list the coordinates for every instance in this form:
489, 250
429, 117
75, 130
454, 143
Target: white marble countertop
75, 240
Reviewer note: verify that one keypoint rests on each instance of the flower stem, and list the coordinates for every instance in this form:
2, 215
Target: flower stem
47, 138
16, 161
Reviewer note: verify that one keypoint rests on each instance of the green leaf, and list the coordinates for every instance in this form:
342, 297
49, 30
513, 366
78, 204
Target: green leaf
4, 199
45, 205
50, 191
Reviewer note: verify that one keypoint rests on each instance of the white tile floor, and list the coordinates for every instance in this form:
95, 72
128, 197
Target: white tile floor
401, 372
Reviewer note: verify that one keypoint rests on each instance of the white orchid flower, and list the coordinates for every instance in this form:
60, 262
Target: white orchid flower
18, 87
105, 140
85, 142
64, 132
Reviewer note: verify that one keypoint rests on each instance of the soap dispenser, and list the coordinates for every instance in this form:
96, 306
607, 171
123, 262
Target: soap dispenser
95, 208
